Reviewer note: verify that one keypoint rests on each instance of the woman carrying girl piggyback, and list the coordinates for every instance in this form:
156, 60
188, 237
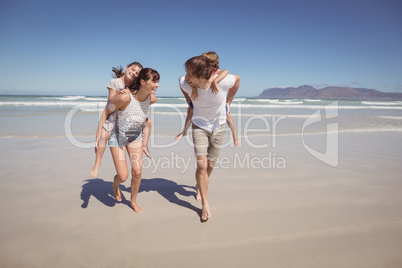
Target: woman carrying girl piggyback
121, 80
132, 107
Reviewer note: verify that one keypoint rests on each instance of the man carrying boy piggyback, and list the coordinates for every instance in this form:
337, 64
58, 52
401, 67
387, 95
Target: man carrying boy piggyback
209, 118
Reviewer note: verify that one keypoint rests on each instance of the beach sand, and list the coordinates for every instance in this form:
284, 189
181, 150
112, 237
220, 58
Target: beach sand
296, 212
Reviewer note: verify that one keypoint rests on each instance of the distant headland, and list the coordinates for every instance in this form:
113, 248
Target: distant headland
331, 93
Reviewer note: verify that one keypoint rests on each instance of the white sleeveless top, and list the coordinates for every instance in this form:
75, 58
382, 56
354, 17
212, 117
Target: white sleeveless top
131, 118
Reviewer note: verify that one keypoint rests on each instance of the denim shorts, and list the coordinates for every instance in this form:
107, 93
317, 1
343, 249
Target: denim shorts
116, 139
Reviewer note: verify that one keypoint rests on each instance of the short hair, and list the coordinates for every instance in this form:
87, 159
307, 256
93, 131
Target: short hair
199, 66
213, 58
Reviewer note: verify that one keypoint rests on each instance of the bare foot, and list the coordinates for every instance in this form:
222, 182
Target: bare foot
94, 171
178, 137
136, 208
198, 196
146, 151
206, 213
116, 192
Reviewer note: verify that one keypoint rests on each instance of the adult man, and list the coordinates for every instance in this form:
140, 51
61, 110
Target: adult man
209, 117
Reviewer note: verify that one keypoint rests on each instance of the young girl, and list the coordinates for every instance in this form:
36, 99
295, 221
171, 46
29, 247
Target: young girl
121, 80
132, 107
214, 59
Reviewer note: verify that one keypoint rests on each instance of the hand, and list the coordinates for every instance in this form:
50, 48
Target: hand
124, 91
214, 88
194, 96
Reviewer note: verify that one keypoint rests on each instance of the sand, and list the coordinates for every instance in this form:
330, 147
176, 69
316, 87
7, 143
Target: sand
297, 212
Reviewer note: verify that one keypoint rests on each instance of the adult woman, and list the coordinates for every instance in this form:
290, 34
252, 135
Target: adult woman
132, 108
119, 82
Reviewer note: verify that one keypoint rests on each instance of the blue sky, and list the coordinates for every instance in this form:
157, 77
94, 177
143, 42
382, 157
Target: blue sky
69, 47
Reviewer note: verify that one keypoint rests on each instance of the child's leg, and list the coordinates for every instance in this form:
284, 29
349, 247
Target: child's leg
186, 124
103, 138
231, 125
146, 133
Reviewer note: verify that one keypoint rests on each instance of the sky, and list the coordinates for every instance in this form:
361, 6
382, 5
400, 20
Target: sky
69, 47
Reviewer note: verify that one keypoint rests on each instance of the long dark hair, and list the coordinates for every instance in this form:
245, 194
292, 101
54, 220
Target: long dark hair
119, 71
145, 74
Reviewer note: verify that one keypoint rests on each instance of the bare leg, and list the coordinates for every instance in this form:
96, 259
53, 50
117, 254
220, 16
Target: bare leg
135, 152
186, 124
198, 196
146, 132
202, 178
104, 136
120, 163
231, 125
210, 167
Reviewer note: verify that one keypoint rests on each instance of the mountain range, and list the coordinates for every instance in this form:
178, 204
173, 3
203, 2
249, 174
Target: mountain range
331, 92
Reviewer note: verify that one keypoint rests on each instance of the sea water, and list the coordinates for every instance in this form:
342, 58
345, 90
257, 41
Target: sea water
77, 116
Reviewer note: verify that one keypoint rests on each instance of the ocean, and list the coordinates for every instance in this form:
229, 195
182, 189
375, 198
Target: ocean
76, 117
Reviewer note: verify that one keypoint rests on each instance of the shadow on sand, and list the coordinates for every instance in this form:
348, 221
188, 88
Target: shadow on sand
103, 192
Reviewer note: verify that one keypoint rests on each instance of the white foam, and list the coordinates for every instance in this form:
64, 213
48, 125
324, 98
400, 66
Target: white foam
316, 107
318, 100
69, 98
381, 103
96, 99
46, 103
290, 102
265, 100
284, 102
72, 97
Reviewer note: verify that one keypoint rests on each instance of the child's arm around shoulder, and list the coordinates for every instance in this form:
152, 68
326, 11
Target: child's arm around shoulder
194, 93
221, 75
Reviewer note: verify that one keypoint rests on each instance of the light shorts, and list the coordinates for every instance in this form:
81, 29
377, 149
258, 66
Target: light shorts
116, 139
208, 142
110, 122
